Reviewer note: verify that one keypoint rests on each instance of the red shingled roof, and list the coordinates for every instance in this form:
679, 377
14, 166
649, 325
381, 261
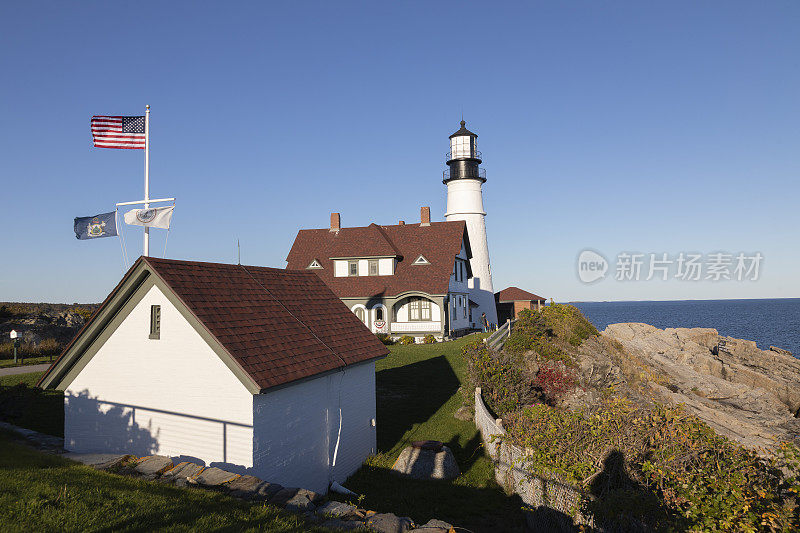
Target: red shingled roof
515, 294
278, 325
440, 243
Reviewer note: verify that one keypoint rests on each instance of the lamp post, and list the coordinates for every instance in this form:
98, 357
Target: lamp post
15, 341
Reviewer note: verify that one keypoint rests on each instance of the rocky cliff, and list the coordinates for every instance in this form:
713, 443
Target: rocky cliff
41, 324
748, 395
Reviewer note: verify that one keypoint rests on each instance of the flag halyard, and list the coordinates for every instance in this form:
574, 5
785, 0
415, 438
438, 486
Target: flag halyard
119, 132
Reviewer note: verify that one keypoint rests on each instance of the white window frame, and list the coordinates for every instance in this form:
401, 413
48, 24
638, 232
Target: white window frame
419, 306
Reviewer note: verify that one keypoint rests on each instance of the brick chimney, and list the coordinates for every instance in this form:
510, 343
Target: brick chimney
336, 222
425, 216
402, 223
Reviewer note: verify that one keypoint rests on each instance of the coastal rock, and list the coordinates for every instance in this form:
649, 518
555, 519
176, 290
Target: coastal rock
748, 395
421, 463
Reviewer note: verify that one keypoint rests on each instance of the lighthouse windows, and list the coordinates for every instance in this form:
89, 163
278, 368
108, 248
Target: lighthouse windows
463, 146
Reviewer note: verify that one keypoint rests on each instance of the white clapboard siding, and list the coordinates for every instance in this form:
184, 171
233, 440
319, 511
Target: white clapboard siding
172, 396
296, 429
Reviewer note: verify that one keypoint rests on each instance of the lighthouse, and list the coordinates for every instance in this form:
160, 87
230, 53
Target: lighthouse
464, 179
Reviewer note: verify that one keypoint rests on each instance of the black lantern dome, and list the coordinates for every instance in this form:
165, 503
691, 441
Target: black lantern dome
464, 158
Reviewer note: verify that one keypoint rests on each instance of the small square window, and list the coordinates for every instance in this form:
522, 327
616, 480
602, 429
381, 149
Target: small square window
352, 268
155, 321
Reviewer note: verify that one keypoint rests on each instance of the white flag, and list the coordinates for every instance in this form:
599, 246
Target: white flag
155, 217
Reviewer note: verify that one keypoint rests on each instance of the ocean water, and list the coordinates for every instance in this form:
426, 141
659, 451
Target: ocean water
773, 322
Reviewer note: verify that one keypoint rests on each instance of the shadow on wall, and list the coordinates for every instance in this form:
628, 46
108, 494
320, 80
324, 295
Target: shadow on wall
411, 394
111, 429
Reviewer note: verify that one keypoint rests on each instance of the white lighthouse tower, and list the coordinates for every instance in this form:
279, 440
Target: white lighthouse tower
464, 180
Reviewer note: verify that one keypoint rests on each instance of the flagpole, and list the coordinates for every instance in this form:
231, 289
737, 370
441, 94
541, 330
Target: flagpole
147, 176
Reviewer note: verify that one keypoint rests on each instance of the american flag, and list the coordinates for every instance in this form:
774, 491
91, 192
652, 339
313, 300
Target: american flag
118, 132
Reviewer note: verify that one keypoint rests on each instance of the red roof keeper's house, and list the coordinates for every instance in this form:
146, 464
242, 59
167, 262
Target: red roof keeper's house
403, 279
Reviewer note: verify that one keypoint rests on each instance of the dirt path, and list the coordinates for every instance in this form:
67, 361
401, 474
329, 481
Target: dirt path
26, 369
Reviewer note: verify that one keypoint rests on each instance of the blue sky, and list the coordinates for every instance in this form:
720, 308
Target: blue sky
617, 126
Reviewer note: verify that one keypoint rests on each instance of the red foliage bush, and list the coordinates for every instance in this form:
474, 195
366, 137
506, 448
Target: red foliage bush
555, 380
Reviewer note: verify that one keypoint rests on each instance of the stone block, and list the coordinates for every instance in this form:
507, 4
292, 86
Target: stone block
299, 503
243, 486
434, 526
153, 464
213, 477
314, 497
282, 496
343, 525
337, 510
181, 472
100, 461
389, 523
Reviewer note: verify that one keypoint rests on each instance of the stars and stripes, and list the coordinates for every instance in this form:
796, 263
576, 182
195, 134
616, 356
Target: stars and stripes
118, 132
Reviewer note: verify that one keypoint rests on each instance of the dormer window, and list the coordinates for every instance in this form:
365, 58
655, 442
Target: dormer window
373, 267
314, 264
352, 268
421, 260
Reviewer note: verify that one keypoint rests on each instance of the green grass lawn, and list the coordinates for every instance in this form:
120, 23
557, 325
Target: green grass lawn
418, 393
38, 360
28, 407
41, 492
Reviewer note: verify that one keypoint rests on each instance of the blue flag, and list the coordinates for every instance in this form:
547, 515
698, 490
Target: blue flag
102, 225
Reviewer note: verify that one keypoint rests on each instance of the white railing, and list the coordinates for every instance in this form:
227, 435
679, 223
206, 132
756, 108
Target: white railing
414, 327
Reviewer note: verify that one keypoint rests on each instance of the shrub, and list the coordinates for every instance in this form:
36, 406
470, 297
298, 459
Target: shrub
385, 338
555, 380
505, 383
660, 465
29, 349
429, 339
551, 332
405, 340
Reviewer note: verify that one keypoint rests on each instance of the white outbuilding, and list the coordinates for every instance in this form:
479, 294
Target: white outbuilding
255, 370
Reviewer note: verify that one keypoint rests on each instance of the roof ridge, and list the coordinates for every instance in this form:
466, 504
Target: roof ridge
387, 239
293, 315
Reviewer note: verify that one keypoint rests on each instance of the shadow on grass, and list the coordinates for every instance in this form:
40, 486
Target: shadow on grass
411, 394
477, 509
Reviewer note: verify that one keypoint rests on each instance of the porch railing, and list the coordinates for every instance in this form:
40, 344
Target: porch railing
415, 327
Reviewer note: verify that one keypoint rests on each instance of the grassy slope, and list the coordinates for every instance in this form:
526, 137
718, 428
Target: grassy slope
417, 396
41, 492
40, 410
